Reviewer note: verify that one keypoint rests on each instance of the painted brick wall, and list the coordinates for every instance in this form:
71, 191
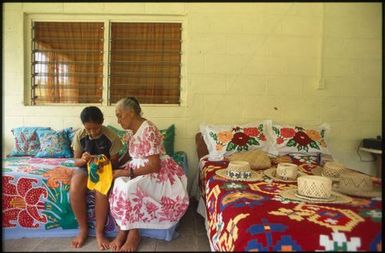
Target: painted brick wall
313, 62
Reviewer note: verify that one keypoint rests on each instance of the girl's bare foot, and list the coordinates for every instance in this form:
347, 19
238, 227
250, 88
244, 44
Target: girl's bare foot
103, 242
79, 240
119, 240
132, 242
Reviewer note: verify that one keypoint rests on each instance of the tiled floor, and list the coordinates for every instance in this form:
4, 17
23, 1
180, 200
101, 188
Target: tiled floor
191, 230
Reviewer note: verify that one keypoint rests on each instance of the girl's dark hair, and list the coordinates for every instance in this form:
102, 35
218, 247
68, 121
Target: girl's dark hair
130, 103
92, 114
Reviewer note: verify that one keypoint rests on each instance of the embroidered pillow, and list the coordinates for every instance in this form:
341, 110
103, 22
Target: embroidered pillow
121, 134
168, 139
295, 139
223, 140
70, 133
26, 141
53, 144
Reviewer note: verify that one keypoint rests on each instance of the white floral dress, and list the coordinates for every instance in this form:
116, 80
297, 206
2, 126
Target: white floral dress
156, 200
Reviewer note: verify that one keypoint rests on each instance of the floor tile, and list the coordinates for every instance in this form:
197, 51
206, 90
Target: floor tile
191, 230
24, 244
202, 243
185, 242
147, 244
199, 225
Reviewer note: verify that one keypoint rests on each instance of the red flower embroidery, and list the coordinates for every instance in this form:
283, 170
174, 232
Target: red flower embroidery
240, 139
172, 209
21, 202
287, 132
251, 131
262, 137
279, 140
302, 139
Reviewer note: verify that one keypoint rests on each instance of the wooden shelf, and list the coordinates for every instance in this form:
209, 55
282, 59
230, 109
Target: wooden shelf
371, 150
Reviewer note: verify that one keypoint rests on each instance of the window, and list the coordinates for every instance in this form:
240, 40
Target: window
69, 64
145, 61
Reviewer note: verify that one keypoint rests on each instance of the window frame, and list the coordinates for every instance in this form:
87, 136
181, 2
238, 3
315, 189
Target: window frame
107, 19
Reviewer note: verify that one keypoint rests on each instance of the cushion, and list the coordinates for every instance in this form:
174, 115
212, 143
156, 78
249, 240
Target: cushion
121, 133
257, 159
223, 140
287, 139
53, 144
70, 133
168, 139
26, 141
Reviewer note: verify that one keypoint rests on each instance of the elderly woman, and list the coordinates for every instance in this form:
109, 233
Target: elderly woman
150, 190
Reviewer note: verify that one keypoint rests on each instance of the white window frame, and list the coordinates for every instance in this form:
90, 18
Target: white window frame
106, 19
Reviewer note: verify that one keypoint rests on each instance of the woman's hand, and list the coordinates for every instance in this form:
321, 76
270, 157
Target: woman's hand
120, 173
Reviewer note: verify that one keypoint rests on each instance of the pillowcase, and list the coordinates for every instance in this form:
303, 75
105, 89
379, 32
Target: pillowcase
26, 141
53, 144
295, 139
70, 133
223, 140
168, 139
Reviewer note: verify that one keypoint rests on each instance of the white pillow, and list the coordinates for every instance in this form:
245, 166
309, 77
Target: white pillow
287, 139
223, 140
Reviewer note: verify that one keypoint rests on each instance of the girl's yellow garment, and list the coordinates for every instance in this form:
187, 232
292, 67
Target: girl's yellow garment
99, 174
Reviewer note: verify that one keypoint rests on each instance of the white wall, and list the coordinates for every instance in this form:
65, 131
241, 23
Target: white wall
243, 60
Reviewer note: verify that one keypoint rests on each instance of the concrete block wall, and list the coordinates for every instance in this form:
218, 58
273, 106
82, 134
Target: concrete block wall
294, 63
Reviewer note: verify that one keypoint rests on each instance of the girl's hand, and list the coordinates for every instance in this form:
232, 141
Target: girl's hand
86, 157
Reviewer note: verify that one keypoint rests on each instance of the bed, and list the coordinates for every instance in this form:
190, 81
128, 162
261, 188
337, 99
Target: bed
252, 216
36, 200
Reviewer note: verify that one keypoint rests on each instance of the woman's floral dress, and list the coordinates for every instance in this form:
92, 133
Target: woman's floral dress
156, 200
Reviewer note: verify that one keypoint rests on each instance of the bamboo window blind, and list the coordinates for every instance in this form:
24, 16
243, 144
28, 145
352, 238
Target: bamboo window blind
144, 60
67, 62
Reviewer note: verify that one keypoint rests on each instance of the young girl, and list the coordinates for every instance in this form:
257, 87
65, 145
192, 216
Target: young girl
93, 139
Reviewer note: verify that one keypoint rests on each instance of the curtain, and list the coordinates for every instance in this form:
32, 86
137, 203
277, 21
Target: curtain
67, 62
146, 62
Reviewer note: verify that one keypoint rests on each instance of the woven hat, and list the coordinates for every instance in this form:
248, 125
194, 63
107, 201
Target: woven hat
331, 170
315, 189
239, 171
357, 184
285, 172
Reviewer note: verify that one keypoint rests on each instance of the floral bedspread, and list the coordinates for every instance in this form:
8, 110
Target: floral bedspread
35, 197
252, 216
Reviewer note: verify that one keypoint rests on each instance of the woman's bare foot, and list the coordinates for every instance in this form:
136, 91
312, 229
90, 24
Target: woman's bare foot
119, 240
103, 242
132, 242
79, 240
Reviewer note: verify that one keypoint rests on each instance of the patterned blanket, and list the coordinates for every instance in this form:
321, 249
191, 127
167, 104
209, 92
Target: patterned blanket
35, 199
252, 216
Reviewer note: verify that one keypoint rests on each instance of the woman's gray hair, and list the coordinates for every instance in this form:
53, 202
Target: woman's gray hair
130, 103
